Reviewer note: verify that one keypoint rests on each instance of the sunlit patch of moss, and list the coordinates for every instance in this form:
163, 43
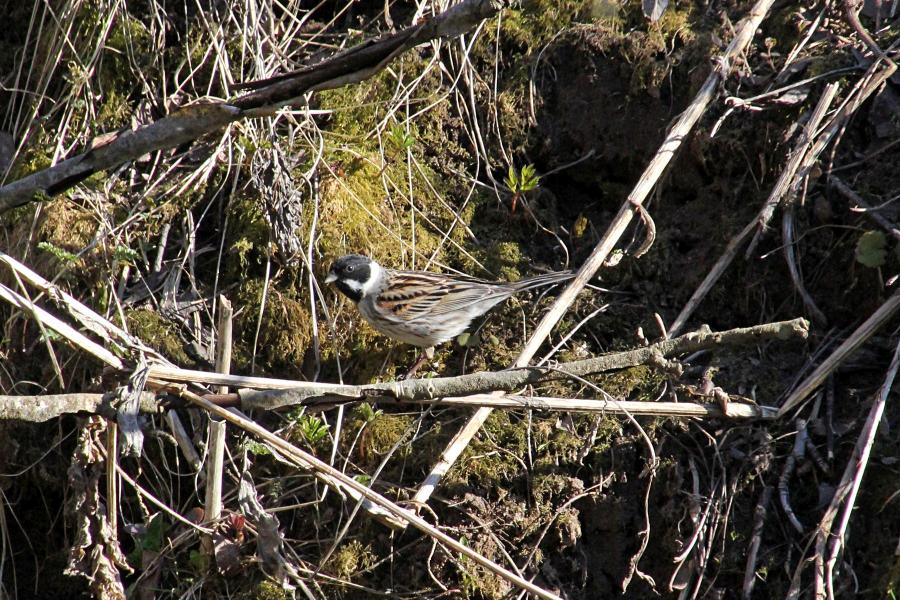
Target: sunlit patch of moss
356, 216
67, 227
504, 259
639, 382
536, 22
349, 559
378, 433
285, 331
264, 590
357, 108
114, 113
160, 333
248, 239
648, 50
554, 445
495, 455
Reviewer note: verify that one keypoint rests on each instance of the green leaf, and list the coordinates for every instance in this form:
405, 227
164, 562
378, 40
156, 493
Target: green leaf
580, 227
468, 340
150, 541
525, 180
871, 249
400, 138
153, 540
511, 180
257, 449
58, 253
528, 178
125, 254
312, 428
199, 561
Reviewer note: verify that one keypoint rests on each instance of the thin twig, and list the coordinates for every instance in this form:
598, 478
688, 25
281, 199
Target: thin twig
112, 481
854, 471
759, 522
249, 400
856, 339
870, 211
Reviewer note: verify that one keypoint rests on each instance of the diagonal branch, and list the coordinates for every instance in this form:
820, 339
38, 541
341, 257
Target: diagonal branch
848, 347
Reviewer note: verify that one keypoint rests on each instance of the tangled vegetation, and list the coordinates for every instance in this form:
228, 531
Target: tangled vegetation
499, 152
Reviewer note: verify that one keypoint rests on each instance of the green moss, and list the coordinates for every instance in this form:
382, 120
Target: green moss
285, 331
158, 332
65, 230
639, 383
494, 456
35, 157
248, 239
553, 444
504, 259
378, 433
130, 50
531, 27
349, 559
478, 582
114, 113
522, 35
264, 590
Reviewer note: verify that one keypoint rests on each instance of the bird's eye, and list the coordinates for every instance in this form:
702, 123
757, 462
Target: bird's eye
349, 268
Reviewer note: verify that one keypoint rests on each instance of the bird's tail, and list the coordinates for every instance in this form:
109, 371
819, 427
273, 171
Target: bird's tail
542, 280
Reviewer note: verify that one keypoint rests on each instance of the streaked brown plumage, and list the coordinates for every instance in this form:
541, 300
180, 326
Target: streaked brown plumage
421, 308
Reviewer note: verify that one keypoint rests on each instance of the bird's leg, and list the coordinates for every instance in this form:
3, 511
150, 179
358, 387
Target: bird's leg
426, 354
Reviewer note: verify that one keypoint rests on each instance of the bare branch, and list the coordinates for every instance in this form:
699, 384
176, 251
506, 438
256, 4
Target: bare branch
414, 390
44, 407
287, 391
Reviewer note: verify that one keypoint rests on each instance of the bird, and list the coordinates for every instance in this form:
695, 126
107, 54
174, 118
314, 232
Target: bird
422, 308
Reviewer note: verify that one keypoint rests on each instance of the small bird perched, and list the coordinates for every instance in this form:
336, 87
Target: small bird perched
420, 308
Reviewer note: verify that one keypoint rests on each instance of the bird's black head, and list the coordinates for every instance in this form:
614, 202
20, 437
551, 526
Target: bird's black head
353, 274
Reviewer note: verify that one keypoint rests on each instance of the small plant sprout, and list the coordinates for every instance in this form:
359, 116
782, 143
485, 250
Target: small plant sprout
60, 254
400, 138
525, 180
312, 428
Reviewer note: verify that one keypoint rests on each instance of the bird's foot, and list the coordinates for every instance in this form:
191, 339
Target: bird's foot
425, 355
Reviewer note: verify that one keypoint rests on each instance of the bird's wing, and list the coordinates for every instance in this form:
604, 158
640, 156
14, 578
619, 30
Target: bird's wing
413, 295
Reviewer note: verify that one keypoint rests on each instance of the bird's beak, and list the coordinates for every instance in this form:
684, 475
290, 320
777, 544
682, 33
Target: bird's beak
331, 278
